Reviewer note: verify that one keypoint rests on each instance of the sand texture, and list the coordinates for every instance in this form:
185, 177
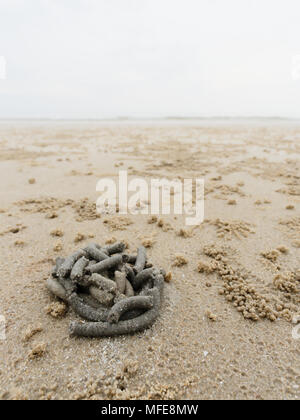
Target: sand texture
232, 287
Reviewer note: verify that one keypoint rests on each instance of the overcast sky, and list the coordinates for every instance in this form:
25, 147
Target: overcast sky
149, 58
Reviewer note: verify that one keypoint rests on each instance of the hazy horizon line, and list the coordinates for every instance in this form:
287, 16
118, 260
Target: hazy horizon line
150, 118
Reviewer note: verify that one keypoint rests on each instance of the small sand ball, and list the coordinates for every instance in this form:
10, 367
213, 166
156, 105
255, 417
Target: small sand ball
290, 207
79, 238
297, 275
52, 215
286, 282
58, 247
160, 223
184, 233
207, 268
19, 244
283, 249
165, 226
168, 277
14, 230
57, 232
152, 219
31, 331
37, 351
130, 368
110, 241
179, 261
31, 181
232, 202
212, 317
148, 242
271, 255
56, 309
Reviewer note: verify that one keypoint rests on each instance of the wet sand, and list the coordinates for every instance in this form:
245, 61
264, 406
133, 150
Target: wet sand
225, 330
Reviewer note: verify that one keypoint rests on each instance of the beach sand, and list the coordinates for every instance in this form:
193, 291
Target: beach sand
225, 329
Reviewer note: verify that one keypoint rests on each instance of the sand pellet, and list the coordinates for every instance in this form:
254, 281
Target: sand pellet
116, 248
129, 289
104, 329
77, 272
86, 311
65, 269
95, 253
140, 259
56, 288
120, 279
108, 264
142, 277
125, 305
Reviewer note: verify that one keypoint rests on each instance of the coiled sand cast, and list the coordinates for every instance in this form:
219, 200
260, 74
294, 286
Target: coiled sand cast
115, 292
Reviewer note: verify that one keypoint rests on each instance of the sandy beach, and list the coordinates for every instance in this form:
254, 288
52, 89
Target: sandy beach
226, 326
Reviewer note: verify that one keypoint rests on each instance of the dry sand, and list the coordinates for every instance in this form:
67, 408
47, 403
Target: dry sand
225, 330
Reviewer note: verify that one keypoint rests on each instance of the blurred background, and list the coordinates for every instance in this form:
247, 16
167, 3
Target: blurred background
97, 59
